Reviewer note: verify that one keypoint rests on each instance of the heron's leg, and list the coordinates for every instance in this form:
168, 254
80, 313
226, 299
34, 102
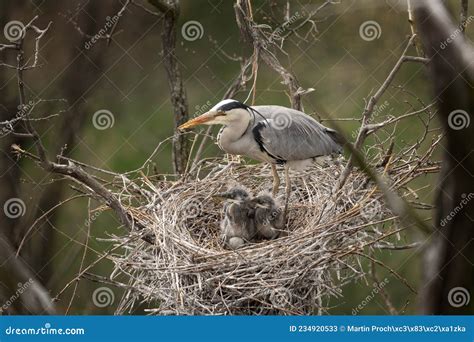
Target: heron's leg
276, 180
287, 189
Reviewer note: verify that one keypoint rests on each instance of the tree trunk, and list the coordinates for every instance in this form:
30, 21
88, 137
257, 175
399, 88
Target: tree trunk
448, 261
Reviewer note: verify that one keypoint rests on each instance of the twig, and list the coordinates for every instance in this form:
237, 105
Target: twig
411, 21
253, 36
119, 15
368, 110
383, 293
69, 170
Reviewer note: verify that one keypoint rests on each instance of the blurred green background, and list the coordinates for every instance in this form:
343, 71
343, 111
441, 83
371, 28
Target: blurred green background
128, 79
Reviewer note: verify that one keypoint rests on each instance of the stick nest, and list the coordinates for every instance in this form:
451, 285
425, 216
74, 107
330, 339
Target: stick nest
188, 270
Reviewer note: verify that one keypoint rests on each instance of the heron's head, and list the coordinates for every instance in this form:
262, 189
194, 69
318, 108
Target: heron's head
264, 201
223, 113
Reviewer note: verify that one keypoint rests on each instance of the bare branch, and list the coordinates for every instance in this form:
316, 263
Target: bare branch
253, 36
369, 108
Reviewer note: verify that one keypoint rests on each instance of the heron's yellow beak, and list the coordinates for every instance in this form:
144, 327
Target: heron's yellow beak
201, 119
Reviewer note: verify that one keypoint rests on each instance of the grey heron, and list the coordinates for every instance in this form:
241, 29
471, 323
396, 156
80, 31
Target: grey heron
238, 226
269, 219
273, 134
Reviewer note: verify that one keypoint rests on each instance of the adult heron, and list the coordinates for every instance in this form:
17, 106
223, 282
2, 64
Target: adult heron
273, 134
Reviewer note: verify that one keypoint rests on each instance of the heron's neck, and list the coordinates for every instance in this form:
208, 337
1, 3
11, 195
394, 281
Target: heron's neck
230, 134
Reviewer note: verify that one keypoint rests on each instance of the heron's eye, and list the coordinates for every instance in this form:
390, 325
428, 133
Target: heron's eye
221, 114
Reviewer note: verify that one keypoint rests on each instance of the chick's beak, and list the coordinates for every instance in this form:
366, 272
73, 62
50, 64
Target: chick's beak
201, 119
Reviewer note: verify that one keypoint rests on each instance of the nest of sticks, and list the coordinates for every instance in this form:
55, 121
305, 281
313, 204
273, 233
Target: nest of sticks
189, 271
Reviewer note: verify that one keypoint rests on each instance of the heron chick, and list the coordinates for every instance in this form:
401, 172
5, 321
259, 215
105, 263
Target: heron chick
269, 218
273, 134
238, 226
249, 219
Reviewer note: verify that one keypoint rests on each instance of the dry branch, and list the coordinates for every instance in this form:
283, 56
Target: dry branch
252, 35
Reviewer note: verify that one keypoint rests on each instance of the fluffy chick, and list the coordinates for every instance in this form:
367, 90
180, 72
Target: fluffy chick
269, 218
238, 226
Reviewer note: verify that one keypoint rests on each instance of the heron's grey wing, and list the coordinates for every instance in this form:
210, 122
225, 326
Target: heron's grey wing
288, 134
